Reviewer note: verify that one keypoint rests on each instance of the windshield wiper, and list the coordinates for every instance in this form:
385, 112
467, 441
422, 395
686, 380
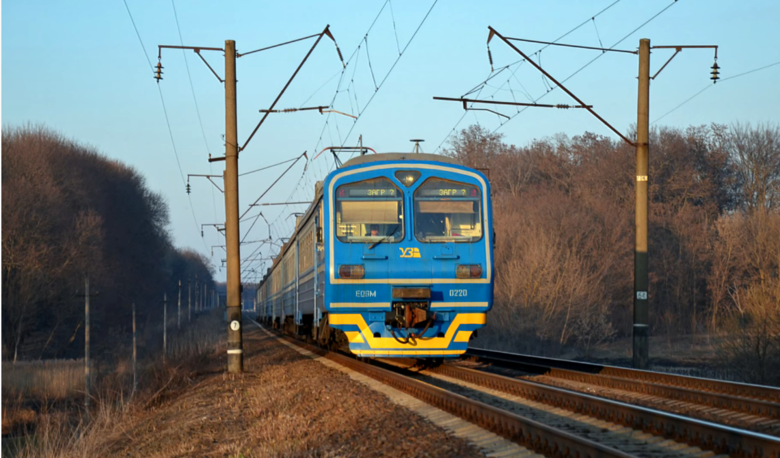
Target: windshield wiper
397, 226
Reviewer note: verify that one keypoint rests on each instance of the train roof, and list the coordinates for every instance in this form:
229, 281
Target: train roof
366, 159
395, 157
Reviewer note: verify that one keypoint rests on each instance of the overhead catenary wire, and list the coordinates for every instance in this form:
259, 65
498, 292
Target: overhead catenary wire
195, 100
365, 107
264, 193
167, 121
395, 30
269, 166
358, 110
588, 63
479, 87
709, 85
146, 55
598, 35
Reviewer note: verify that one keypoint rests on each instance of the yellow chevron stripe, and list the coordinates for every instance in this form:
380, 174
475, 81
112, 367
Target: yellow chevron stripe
389, 342
354, 337
463, 336
408, 352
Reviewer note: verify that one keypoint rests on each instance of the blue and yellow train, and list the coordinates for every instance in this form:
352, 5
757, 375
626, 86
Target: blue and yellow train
393, 258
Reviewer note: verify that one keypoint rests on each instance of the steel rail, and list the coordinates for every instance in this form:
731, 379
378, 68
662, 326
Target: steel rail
531, 434
706, 435
712, 399
743, 390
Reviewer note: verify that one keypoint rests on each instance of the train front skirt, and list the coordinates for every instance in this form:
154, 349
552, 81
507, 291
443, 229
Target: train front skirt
447, 336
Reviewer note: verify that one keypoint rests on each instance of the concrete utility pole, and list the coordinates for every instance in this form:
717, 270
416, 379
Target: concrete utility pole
641, 318
641, 352
178, 314
230, 175
135, 355
235, 357
86, 344
165, 326
197, 289
87, 376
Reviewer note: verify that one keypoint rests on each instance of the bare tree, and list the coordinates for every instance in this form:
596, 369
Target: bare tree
756, 154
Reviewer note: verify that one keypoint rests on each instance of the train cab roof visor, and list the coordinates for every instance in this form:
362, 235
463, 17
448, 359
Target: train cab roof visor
411, 293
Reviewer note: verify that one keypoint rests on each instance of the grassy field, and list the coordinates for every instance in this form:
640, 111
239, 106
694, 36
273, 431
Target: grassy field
48, 379
43, 413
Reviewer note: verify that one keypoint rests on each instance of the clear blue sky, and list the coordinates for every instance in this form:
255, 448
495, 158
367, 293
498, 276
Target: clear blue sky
78, 67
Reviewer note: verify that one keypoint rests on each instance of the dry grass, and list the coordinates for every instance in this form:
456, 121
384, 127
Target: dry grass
49, 379
60, 433
203, 336
42, 428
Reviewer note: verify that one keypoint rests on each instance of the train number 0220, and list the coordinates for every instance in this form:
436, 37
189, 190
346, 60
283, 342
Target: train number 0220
459, 292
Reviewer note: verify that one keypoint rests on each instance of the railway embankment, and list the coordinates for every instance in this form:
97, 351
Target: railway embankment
285, 404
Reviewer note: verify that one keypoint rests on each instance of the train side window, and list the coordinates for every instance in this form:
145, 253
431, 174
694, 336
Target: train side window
369, 211
447, 211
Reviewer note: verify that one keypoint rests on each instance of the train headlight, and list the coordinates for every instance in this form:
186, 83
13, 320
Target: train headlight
407, 177
469, 271
352, 271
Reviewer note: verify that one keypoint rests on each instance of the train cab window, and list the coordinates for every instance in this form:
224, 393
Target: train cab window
447, 211
369, 211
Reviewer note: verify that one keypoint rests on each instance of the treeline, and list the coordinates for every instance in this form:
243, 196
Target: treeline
68, 213
564, 217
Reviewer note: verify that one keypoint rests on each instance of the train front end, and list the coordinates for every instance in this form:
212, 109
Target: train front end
409, 254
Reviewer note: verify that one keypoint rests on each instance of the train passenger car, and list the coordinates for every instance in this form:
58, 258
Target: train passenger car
394, 258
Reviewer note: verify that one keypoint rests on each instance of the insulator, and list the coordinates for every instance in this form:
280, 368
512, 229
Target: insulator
158, 72
715, 73
188, 188
490, 58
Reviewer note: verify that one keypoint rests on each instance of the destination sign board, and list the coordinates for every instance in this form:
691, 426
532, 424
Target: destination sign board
449, 192
368, 192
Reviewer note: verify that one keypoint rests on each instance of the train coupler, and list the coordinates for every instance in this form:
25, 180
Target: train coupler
410, 315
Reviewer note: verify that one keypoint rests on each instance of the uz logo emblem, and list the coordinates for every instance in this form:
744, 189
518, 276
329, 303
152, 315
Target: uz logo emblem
410, 252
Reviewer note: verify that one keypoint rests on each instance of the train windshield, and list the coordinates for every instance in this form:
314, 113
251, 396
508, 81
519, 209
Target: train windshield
369, 211
447, 211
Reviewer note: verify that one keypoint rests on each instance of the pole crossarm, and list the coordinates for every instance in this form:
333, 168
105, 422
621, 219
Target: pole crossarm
194, 48
564, 45
319, 36
281, 203
678, 49
197, 50
521, 104
220, 227
239, 54
208, 177
493, 32
293, 110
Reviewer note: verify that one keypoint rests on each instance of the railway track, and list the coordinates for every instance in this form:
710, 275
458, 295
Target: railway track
556, 422
752, 407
